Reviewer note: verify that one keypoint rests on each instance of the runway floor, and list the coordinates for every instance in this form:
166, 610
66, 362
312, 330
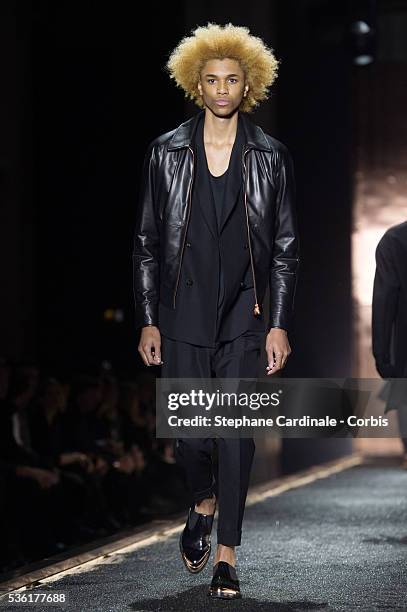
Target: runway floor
328, 541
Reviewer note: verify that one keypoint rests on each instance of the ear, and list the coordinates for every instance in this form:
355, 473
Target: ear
200, 87
246, 89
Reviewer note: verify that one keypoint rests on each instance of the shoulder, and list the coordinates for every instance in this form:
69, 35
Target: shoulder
164, 138
399, 232
393, 244
395, 234
281, 158
160, 142
176, 137
257, 135
276, 145
280, 152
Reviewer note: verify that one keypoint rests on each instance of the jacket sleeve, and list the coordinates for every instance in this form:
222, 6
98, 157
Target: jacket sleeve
285, 258
146, 247
386, 289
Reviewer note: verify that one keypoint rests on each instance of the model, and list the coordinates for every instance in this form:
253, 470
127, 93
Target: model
389, 322
215, 226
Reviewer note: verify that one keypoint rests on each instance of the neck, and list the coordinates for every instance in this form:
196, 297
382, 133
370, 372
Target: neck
220, 131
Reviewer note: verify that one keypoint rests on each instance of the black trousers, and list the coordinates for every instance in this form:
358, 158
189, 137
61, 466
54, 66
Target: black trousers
219, 466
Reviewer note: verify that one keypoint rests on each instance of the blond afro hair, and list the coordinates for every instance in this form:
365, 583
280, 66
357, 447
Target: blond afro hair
219, 42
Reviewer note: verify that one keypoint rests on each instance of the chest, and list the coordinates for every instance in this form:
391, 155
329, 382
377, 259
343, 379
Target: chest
218, 158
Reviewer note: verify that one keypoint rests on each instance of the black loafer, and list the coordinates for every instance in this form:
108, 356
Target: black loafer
195, 540
225, 584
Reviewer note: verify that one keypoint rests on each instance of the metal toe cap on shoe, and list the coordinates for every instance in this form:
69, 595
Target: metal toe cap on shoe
224, 593
196, 565
225, 583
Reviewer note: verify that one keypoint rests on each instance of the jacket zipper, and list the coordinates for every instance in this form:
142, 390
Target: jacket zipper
256, 309
186, 228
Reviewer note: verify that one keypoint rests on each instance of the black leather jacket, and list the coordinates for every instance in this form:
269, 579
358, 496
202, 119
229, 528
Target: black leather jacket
164, 210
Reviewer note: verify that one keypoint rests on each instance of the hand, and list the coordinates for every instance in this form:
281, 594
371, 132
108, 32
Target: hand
125, 464
74, 457
101, 466
150, 345
278, 349
45, 478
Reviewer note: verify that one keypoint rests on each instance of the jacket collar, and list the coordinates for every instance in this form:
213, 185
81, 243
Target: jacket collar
184, 133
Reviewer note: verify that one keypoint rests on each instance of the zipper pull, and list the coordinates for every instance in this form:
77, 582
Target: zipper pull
256, 310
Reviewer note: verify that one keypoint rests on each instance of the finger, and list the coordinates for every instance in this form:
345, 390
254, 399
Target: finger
270, 367
278, 360
271, 358
143, 356
149, 351
275, 360
157, 356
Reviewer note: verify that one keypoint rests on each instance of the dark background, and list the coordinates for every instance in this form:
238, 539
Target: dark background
84, 91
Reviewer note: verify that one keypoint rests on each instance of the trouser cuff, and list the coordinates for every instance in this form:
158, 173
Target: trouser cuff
229, 538
205, 494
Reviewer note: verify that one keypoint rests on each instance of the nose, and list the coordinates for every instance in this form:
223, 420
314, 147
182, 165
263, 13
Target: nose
222, 88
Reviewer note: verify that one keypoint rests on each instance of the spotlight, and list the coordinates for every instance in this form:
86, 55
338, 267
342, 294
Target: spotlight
363, 42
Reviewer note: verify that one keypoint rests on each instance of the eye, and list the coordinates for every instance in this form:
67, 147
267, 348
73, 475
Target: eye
210, 80
233, 79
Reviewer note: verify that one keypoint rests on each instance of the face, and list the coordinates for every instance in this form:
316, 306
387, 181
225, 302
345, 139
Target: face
222, 86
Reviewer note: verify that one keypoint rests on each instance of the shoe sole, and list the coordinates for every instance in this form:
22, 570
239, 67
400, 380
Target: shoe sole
194, 569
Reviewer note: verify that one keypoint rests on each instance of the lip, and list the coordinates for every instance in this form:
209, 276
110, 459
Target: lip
222, 102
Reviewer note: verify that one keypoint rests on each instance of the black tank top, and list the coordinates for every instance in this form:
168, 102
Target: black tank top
218, 189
